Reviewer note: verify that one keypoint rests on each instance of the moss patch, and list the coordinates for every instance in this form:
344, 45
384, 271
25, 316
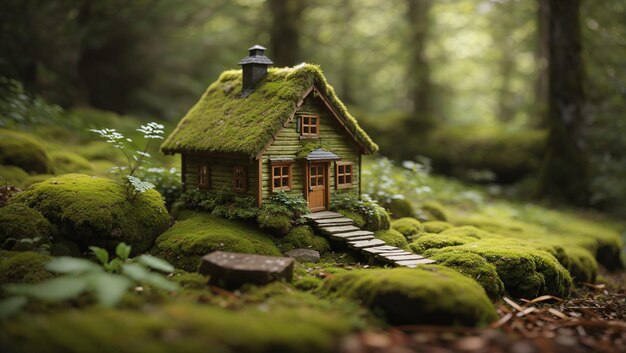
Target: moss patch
12, 175
23, 267
392, 237
177, 327
95, 211
22, 228
23, 151
435, 211
411, 228
303, 238
399, 207
223, 121
199, 233
426, 295
436, 226
68, 162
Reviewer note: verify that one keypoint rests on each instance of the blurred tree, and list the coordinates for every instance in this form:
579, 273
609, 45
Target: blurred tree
418, 13
565, 173
285, 31
541, 61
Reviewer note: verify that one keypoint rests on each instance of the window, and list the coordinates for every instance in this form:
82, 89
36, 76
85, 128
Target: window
343, 174
204, 176
281, 177
240, 179
309, 125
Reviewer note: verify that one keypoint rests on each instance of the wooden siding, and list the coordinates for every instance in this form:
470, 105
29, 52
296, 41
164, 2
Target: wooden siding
221, 169
332, 136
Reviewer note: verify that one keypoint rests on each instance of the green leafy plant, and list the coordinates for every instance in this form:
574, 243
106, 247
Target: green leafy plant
167, 181
134, 157
106, 282
295, 203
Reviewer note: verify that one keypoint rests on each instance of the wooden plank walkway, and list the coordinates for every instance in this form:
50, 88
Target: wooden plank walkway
335, 226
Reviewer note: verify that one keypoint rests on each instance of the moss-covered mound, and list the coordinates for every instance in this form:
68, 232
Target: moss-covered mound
198, 234
23, 151
22, 228
176, 328
450, 237
434, 211
526, 272
23, 267
12, 175
436, 226
399, 208
68, 162
96, 211
392, 237
303, 238
411, 228
426, 295
474, 267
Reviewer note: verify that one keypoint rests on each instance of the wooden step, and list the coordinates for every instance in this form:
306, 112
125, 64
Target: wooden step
414, 263
365, 243
323, 215
382, 249
403, 257
339, 229
322, 222
362, 237
335, 224
358, 233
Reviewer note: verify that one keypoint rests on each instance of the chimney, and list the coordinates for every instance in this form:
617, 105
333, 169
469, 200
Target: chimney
254, 68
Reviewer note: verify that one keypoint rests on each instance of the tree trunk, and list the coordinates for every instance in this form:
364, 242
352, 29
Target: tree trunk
419, 71
541, 59
285, 34
565, 170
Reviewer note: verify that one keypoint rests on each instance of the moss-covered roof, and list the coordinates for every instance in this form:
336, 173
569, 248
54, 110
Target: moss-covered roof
223, 121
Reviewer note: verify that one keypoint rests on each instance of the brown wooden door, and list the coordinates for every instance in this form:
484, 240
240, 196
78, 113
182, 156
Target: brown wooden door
317, 186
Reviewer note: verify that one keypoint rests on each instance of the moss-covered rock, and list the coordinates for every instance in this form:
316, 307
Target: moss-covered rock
411, 228
23, 151
177, 327
474, 267
582, 266
392, 237
450, 237
22, 228
34, 179
68, 162
436, 226
198, 234
435, 211
302, 237
399, 207
526, 272
96, 211
23, 267
12, 175
426, 295
357, 218
276, 224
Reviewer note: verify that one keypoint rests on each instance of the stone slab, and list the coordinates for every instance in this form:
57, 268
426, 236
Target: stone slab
304, 255
337, 230
414, 263
324, 221
361, 238
338, 224
232, 270
323, 215
365, 243
402, 257
382, 249
357, 233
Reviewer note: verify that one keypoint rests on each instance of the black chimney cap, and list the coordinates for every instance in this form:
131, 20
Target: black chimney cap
256, 56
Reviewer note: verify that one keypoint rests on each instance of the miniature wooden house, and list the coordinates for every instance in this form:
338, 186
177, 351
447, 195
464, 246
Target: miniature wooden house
260, 130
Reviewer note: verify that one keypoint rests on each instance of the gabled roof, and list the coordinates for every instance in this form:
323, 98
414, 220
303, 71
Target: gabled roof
222, 121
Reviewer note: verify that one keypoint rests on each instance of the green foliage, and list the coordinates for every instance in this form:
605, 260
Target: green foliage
68, 162
425, 295
23, 151
295, 203
399, 207
19, 109
166, 181
222, 122
95, 211
22, 228
302, 237
281, 212
392, 237
199, 233
411, 228
371, 213
106, 283
222, 203
23, 267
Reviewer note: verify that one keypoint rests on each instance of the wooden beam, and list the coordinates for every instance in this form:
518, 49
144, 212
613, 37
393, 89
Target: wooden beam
259, 194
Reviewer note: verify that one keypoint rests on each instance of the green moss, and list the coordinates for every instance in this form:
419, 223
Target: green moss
359, 220
22, 228
303, 238
426, 295
12, 175
23, 151
474, 267
23, 267
224, 121
392, 237
449, 237
399, 207
197, 235
190, 280
436, 226
525, 271
34, 179
276, 224
99, 150
435, 211
95, 211
411, 228
582, 266
177, 327
68, 162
